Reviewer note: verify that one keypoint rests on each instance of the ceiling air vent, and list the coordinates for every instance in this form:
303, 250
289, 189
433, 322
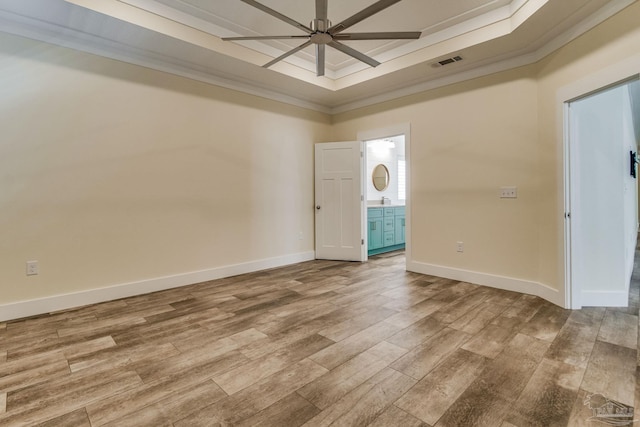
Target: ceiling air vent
447, 61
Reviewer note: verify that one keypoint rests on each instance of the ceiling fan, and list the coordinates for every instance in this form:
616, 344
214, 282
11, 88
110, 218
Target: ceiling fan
321, 33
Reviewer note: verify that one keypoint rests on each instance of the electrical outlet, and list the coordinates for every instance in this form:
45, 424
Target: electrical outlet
508, 192
459, 246
32, 268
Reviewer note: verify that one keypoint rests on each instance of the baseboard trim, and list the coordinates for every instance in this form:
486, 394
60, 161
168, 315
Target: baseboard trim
604, 298
491, 280
53, 303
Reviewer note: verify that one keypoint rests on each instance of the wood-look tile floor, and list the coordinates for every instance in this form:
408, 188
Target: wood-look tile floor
316, 344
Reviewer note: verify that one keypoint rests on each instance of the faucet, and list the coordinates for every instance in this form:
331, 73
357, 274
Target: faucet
384, 199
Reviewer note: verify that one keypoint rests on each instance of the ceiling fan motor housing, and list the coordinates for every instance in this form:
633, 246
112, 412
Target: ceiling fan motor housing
320, 34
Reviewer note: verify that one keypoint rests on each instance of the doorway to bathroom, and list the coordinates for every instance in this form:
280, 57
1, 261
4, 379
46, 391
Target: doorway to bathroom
386, 190
342, 194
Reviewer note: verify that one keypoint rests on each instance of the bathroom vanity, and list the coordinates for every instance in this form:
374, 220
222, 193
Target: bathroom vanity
385, 228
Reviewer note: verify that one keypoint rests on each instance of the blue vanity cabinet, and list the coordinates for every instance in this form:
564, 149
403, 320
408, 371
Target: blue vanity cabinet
375, 228
385, 229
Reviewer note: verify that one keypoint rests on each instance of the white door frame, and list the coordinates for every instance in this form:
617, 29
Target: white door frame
387, 132
613, 75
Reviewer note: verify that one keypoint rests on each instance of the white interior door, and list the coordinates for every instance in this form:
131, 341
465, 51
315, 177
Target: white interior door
602, 225
339, 201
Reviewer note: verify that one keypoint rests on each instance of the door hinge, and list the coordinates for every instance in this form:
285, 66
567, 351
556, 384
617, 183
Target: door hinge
362, 242
567, 214
362, 154
362, 198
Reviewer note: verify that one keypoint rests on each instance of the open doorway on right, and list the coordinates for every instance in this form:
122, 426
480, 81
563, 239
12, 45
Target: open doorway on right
602, 209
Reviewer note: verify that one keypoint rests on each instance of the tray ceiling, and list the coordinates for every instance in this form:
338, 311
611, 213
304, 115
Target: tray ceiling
184, 37
234, 18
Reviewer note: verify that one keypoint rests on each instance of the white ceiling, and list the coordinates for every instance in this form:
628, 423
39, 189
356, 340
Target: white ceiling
184, 37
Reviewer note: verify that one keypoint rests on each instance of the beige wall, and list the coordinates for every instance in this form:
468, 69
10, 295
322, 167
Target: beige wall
469, 139
112, 173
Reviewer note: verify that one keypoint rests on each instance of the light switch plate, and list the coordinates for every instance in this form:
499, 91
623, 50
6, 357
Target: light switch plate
508, 192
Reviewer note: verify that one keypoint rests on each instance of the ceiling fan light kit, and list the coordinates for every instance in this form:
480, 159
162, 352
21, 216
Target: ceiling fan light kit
321, 33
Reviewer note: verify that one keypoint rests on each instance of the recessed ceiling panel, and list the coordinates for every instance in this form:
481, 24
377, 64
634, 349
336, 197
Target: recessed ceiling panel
225, 18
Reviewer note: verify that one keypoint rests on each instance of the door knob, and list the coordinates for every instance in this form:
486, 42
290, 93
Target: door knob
318, 207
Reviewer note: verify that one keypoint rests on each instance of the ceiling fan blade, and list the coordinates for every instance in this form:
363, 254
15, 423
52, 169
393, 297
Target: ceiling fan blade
278, 15
289, 53
264, 38
362, 15
354, 53
321, 9
399, 35
320, 50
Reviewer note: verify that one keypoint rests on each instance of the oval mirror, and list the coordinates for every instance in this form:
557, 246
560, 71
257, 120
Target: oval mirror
380, 177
